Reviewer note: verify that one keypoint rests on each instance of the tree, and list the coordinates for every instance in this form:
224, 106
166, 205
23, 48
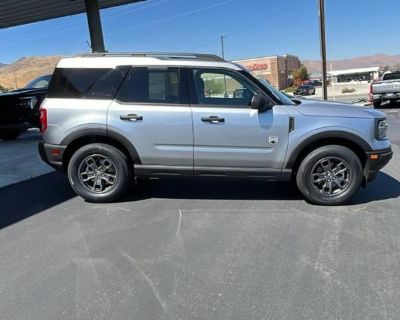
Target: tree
300, 74
2, 89
213, 87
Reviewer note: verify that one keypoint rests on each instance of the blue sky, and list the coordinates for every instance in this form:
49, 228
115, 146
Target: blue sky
252, 28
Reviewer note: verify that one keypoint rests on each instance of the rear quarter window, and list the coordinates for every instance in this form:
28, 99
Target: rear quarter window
75, 83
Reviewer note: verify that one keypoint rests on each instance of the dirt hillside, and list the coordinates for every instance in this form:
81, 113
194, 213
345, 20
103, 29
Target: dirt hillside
19, 73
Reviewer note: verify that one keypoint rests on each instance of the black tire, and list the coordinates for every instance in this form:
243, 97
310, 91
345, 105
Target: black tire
342, 184
377, 103
115, 177
9, 134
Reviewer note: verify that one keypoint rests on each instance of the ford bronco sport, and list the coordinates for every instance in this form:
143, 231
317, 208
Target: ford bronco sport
110, 118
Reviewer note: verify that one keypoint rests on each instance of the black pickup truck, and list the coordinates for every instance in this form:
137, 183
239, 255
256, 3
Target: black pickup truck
19, 109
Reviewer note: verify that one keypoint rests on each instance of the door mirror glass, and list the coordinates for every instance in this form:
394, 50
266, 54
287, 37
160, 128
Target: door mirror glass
260, 103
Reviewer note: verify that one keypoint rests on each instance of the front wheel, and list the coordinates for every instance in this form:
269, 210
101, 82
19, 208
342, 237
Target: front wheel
329, 175
99, 172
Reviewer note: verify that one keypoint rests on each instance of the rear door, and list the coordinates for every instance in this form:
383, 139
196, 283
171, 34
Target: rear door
152, 111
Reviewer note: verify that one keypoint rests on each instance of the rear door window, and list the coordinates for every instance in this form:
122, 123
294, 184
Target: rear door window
154, 85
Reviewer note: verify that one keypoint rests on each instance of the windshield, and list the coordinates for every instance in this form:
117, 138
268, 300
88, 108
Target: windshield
279, 95
270, 88
39, 83
392, 76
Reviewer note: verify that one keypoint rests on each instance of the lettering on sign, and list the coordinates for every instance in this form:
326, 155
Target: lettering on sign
258, 66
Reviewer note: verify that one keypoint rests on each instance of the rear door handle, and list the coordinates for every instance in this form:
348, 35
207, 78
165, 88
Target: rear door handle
131, 117
213, 119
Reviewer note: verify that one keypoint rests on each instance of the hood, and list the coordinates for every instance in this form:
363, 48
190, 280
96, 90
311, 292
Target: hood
335, 109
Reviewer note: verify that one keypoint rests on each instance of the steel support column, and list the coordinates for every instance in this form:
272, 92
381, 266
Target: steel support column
323, 47
94, 22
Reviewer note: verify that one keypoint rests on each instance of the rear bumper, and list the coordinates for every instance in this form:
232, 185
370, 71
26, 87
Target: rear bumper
376, 160
386, 96
52, 154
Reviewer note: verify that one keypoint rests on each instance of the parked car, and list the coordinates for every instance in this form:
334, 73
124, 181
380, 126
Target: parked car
387, 89
316, 83
19, 109
110, 118
304, 90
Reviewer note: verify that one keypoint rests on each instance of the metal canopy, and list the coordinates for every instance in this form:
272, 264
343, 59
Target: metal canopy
18, 12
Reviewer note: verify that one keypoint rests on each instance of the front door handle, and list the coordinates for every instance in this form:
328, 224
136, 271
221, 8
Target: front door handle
213, 119
131, 117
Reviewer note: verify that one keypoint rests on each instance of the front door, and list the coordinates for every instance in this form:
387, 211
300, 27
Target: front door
229, 136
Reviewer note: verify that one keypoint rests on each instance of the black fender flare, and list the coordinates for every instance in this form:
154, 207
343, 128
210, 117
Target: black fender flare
103, 133
326, 135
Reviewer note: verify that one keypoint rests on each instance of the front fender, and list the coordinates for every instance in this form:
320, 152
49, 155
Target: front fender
299, 143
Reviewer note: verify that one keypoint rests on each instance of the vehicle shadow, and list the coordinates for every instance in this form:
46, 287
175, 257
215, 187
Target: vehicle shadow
382, 188
27, 198
212, 189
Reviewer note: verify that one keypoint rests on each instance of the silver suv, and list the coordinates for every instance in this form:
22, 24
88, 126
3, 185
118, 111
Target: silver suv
110, 118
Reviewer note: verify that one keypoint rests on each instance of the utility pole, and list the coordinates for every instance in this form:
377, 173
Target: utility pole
15, 80
323, 46
222, 47
223, 57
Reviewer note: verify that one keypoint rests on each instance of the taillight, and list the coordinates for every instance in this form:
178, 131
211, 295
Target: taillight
370, 93
43, 120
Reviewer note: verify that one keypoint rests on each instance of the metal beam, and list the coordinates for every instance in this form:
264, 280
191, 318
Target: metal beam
94, 22
323, 47
14, 13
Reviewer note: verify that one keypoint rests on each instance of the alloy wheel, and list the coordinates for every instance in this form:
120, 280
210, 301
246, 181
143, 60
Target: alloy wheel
97, 173
330, 176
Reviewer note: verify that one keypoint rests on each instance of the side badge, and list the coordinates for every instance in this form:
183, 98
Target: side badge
273, 139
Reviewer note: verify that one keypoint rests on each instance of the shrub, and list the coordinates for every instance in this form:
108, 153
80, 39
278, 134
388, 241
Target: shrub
3, 89
348, 90
290, 89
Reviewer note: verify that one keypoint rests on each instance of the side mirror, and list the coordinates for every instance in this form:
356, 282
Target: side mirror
260, 103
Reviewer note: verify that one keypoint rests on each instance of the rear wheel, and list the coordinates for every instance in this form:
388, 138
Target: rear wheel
9, 134
99, 173
377, 103
329, 175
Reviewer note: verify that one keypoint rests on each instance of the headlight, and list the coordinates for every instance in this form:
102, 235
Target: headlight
27, 102
381, 128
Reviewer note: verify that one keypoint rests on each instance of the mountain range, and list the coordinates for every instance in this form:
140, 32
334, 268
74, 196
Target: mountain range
19, 73
25, 69
377, 60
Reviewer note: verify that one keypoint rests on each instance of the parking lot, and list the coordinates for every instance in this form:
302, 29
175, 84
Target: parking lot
195, 249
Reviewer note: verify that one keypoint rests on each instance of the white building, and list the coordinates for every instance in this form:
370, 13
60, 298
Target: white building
363, 75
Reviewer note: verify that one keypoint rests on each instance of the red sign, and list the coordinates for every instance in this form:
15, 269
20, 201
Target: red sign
258, 66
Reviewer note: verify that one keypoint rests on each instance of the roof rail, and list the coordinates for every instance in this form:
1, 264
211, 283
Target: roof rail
158, 55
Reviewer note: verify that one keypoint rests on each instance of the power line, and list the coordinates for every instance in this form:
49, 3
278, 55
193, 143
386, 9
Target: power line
183, 14
242, 29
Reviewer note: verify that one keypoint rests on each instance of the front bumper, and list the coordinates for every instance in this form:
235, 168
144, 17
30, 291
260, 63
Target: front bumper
52, 154
376, 160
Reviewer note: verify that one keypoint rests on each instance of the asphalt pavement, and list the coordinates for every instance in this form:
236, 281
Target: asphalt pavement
19, 159
201, 250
